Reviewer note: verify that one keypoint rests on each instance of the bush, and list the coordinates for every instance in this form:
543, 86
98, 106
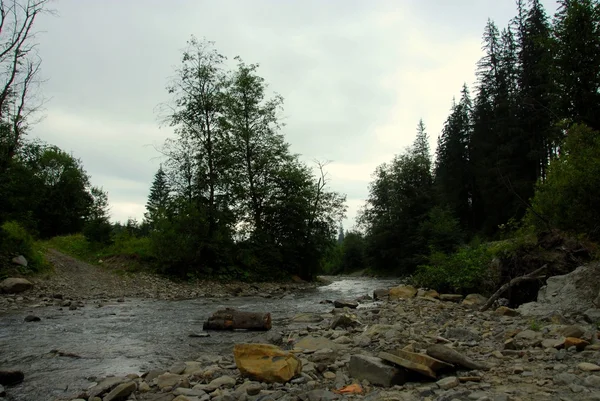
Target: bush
98, 231
465, 271
14, 241
569, 198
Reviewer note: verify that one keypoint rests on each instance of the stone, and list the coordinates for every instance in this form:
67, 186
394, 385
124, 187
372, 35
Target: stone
19, 260
253, 389
420, 363
177, 368
403, 292
121, 392
143, 387
448, 383
569, 342
223, 381
431, 294
15, 285
32, 318
168, 380
575, 292
345, 303
11, 377
506, 311
449, 355
376, 371
592, 381
315, 343
321, 395
572, 331
343, 321
381, 294
105, 386
329, 375
307, 318
461, 334
451, 297
474, 300
266, 362
588, 367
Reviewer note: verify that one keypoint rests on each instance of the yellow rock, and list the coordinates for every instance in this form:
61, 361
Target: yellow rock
266, 362
403, 292
506, 311
432, 294
474, 300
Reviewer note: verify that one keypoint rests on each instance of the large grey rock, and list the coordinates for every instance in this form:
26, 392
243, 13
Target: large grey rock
572, 293
121, 392
20, 260
105, 386
376, 371
15, 285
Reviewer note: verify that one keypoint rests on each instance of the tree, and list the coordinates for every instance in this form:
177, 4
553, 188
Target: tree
341, 235
256, 148
159, 199
577, 35
19, 70
97, 227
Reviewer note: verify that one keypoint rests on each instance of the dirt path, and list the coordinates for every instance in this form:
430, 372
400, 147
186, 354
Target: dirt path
72, 279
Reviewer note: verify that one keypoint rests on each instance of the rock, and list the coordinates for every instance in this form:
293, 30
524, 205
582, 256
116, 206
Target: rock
19, 260
345, 303
506, 311
403, 292
321, 395
449, 355
121, 392
343, 321
409, 363
15, 285
381, 294
223, 381
447, 383
329, 375
592, 381
11, 377
315, 343
199, 335
431, 294
474, 300
528, 335
177, 368
266, 362
569, 342
105, 386
575, 292
572, 331
143, 387
588, 367
592, 315
376, 371
307, 318
168, 380
253, 389
451, 297
461, 334
32, 318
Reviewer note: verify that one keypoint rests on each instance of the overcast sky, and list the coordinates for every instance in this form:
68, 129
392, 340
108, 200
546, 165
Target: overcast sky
356, 76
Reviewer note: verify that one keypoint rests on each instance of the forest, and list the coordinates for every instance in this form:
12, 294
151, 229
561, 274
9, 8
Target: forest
518, 155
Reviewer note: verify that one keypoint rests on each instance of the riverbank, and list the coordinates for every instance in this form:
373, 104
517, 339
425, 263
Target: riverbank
498, 355
72, 282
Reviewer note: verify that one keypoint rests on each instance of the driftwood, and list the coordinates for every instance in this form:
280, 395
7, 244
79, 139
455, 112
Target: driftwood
534, 275
231, 319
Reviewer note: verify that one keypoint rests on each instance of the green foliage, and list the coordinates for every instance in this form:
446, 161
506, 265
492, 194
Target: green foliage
441, 230
465, 271
569, 198
15, 241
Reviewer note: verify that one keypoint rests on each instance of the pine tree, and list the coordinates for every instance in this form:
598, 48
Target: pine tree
159, 200
577, 35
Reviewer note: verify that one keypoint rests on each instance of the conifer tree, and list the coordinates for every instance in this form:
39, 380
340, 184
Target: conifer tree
159, 200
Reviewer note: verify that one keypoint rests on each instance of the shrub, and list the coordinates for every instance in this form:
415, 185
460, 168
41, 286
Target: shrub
14, 241
465, 271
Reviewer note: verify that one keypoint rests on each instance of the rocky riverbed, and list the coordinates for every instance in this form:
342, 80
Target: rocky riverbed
499, 355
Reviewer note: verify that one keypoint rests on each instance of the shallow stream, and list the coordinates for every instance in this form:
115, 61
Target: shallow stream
137, 335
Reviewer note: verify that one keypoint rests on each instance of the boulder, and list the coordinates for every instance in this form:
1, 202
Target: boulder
14, 285
376, 371
266, 362
343, 321
105, 386
121, 392
345, 303
403, 292
381, 294
420, 363
572, 293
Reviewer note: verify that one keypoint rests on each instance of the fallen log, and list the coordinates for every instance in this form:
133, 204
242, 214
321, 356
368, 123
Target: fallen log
534, 275
231, 319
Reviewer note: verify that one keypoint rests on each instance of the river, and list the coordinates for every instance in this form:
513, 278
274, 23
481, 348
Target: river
138, 335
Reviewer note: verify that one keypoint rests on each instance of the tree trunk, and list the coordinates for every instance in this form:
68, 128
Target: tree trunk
231, 319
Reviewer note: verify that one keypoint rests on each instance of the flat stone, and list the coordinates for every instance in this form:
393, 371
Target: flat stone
474, 300
416, 367
15, 285
121, 392
572, 331
588, 367
506, 311
375, 370
307, 318
105, 386
266, 362
167, 380
345, 303
448, 382
381, 293
315, 343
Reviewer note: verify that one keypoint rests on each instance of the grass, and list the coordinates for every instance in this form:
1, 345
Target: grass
126, 253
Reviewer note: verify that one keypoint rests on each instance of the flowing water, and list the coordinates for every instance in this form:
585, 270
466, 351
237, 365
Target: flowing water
137, 335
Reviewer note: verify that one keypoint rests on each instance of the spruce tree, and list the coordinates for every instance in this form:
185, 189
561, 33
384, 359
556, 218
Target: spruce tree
158, 203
